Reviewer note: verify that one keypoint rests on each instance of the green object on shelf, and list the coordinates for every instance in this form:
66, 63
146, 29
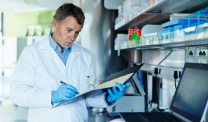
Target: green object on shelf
133, 35
138, 38
200, 53
191, 53
204, 53
132, 40
138, 41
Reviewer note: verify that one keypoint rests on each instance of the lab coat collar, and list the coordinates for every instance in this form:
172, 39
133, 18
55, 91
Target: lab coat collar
45, 45
54, 45
75, 50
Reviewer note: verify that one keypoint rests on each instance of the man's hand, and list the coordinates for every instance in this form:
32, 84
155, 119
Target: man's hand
64, 92
116, 93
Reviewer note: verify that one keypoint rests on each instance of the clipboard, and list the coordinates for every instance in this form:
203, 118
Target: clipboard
120, 77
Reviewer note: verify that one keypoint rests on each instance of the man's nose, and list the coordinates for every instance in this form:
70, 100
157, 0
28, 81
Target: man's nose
73, 36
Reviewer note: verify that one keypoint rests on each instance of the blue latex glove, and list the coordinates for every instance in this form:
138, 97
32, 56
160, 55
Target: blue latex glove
64, 92
116, 93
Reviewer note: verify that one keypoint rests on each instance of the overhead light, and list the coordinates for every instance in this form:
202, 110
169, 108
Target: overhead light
19, 6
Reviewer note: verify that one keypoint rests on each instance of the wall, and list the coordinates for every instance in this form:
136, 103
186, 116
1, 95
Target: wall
98, 37
15, 24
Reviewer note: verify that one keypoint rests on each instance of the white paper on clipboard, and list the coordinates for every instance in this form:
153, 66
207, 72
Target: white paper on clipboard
98, 90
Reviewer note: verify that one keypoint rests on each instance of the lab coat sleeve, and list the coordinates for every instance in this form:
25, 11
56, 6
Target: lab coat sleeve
97, 101
23, 89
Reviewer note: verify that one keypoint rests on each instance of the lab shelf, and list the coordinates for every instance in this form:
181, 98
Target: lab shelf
175, 6
150, 15
179, 44
159, 12
141, 20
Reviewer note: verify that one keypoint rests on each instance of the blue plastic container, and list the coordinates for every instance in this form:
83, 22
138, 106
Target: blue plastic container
177, 22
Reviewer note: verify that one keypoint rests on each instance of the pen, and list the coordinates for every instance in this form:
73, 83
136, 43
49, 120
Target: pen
66, 84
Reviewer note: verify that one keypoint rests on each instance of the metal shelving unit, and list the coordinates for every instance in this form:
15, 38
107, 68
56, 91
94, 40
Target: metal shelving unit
179, 44
150, 15
159, 12
143, 19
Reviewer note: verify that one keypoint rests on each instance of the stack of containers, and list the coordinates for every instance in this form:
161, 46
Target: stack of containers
150, 39
173, 30
202, 22
201, 32
184, 29
134, 37
193, 26
134, 8
125, 11
121, 41
129, 10
191, 31
197, 30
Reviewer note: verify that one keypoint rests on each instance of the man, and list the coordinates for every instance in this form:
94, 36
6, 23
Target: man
36, 81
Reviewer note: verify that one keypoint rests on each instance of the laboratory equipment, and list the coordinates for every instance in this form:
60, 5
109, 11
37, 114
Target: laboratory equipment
132, 101
188, 104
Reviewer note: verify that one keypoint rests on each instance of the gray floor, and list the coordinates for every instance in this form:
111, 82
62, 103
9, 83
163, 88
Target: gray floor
101, 117
12, 113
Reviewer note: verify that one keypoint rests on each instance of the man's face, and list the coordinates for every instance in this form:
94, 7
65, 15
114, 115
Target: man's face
66, 31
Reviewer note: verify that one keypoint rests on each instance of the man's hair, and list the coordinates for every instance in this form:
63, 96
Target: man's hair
69, 9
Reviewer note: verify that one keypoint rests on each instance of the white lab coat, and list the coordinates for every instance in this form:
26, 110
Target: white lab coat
40, 70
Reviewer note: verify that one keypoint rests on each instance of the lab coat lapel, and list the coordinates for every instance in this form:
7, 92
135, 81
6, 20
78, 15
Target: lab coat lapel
57, 58
50, 52
72, 67
72, 55
53, 54
57, 62
50, 65
70, 59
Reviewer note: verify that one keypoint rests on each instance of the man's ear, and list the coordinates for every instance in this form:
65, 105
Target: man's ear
55, 22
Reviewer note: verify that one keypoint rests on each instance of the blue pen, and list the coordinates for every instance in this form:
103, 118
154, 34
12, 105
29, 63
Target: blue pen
66, 84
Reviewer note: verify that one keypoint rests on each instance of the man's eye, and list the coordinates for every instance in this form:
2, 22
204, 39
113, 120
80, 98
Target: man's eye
69, 30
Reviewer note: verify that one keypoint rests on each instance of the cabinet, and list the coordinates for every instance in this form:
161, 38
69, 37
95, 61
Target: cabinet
167, 55
158, 12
